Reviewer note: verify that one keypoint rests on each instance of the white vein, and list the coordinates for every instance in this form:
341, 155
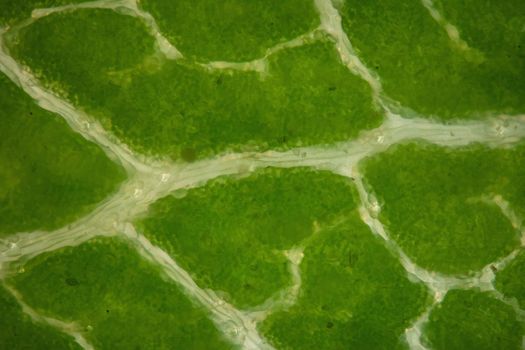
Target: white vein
72, 329
260, 65
414, 333
438, 283
288, 296
331, 24
77, 120
148, 184
150, 180
234, 324
450, 29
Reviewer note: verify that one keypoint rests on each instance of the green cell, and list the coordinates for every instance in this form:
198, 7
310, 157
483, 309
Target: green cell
306, 97
18, 330
354, 295
12, 11
423, 69
230, 234
48, 175
231, 30
439, 203
510, 281
468, 319
120, 299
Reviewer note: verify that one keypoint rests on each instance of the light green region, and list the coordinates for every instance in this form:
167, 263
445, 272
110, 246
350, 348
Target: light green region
105, 62
354, 295
423, 69
49, 176
230, 234
120, 299
13, 11
437, 203
18, 331
467, 319
511, 280
231, 30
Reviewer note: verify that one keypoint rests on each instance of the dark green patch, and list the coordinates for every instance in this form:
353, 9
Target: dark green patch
230, 233
48, 174
231, 30
18, 330
434, 202
106, 63
422, 68
122, 301
363, 304
467, 319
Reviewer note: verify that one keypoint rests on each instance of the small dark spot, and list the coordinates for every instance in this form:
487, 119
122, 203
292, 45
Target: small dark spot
219, 80
329, 324
324, 307
253, 267
282, 139
247, 286
493, 268
71, 281
332, 88
30, 113
352, 259
188, 154
377, 67
107, 311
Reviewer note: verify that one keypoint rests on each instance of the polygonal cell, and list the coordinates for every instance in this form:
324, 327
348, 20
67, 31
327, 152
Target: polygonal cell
306, 97
426, 70
444, 206
467, 319
511, 282
354, 295
232, 233
14, 11
48, 175
19, 331
231, 30
120, 299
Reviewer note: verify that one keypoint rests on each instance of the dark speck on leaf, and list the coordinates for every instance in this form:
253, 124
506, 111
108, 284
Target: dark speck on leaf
332, 88
72, 282
329, 324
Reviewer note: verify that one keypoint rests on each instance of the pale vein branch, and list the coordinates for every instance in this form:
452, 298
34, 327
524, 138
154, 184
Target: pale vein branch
72, 329
236, 325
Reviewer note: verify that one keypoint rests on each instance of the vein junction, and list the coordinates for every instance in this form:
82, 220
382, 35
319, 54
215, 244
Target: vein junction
150, 180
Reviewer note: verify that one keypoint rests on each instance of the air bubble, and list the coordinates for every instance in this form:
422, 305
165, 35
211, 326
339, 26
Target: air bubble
89, 328
219, 302
21, 270
86, 125
165, 177
374, 207
499, 129
234, 331
380, 139
138, 190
